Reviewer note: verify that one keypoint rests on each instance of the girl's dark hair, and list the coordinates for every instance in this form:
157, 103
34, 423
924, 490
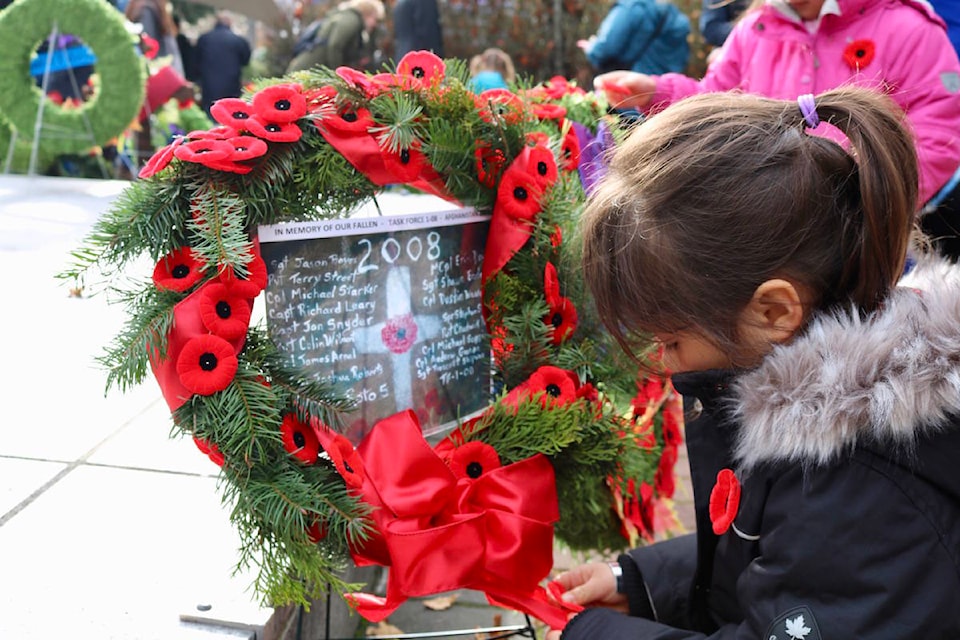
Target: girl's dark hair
723, 191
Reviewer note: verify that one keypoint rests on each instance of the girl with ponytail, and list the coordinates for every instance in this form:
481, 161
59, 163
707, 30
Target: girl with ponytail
823, 397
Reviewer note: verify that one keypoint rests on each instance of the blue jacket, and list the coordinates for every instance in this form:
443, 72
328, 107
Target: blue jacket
628, 38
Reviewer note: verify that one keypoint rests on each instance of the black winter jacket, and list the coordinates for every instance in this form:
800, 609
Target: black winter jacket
846, 444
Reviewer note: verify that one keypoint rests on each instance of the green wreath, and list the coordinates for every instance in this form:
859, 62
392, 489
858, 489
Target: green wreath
27, 23
314, 147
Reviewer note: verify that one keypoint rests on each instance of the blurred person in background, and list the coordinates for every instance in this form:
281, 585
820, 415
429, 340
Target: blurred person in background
343, 38
492, 69
221, 57
649, 36
416, 27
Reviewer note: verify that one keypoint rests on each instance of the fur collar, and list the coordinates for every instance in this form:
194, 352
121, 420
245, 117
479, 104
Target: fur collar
887, 379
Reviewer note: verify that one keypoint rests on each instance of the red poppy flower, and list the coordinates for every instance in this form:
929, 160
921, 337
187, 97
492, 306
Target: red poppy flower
548, 111
274, 131
542, 164
519, 194
210, 449
648, 439
570, 150
179, 270
498, 344
159, 160
563, 314
254, 282
638, 507
557, 87
224, 311
724, 501
206, 364
299, 439
222, 132
232, 112
349, 120
556, 238
247, 148
399, 333
496, 104
473, 459
425, 67
347, 461
663, 478
859, 53
280, 103
672, 435
206, 152
405, 165
490, 164
557, 385
589, 393
360, 80
151, 46
321, 99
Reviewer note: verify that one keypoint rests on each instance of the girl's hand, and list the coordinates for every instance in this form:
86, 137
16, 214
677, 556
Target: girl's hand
592, 585
626, 89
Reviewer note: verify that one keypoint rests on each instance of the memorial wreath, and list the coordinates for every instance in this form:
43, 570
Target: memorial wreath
24, 25
573, 439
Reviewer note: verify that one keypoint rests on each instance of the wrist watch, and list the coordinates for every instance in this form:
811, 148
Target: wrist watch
617, 572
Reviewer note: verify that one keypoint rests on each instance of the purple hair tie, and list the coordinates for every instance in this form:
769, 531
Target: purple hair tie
809, 110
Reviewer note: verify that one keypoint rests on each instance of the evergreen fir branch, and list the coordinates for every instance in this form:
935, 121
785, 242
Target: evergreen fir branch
217, 232
145, 218
127, 358
309, 398
399, 111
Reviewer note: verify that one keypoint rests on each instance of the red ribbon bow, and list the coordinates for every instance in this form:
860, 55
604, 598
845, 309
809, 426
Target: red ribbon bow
437, 533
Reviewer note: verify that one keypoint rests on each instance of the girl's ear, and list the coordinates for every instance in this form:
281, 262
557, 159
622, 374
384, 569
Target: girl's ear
775, 312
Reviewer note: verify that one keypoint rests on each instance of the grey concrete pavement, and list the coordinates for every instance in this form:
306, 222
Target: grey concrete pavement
108, 528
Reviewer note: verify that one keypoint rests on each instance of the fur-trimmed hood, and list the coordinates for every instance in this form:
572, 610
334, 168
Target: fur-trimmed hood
883, 381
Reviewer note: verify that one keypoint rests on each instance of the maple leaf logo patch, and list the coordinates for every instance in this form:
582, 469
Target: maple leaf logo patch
796, 629
796, 624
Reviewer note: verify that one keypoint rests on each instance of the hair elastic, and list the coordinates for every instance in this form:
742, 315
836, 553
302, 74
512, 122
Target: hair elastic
809, 110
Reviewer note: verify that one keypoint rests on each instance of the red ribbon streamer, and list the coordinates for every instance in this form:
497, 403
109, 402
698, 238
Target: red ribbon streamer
507, 234
363, 152
437, 533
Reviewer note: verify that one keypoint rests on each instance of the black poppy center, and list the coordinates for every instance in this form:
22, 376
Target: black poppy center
240, 115
553, 390
203, 150
282, 105
347, 467
520, 193
208, 361
241, 148
350, 116
180, 271
405, 156
474, 470
860, 53
299, 440
556, 320
223, 309
418, 72
567, 152
542, 168
273, 128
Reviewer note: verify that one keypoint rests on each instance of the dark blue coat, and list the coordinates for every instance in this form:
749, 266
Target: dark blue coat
416, 27
221, 57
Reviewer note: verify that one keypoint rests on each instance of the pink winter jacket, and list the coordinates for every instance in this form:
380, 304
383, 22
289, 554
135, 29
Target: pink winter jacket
770, 54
